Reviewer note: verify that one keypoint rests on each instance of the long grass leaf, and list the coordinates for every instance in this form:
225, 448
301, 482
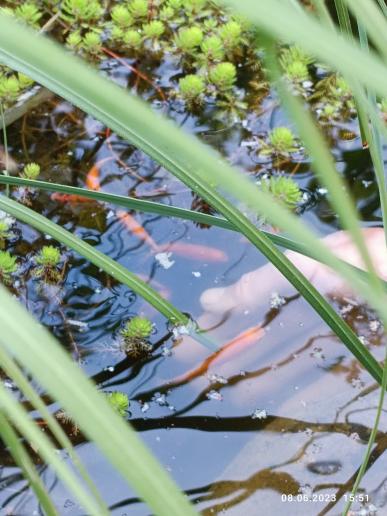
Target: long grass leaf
194, 164
20, 419
14, 372
42, 356
22, 459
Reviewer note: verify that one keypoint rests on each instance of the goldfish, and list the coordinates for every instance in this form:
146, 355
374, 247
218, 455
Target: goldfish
136, 228
69, 198
192, 251
92, 180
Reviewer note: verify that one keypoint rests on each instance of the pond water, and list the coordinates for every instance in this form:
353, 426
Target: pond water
282, 421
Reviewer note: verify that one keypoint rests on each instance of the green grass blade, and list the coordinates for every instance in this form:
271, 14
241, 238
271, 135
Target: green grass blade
36, 350
323, 13
372, 20
191, 162
14, 372
21, 420
283, 23
102, 261
166, 211
111, 267
323, 165
22, 459
343, 17
121, 200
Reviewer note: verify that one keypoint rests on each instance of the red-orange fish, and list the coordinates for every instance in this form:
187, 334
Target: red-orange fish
92, 180
69, 198
136, 228
236, 346
192, 251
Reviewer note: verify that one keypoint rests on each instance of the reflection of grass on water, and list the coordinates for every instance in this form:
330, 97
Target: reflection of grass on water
223, 51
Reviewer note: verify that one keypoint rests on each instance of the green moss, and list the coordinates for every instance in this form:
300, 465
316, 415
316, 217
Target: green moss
132, 39
80, 11
231, 34
297, 71
29, 13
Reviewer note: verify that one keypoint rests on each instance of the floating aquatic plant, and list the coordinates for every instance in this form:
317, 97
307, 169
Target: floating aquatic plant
48, 260
91, 43
121, 16
223, 76
137, 328
31, 171
138, 8
192, 88
284, 189
81, 11
189, 38
119, 401
135, 334
8, 266
280, 142
9, 89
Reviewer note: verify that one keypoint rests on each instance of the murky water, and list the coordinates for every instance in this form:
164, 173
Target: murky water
280, 428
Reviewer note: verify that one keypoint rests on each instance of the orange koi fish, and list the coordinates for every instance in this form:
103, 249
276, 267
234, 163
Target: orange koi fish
193, 251
92, 180
136, 228
69, 198
245, 339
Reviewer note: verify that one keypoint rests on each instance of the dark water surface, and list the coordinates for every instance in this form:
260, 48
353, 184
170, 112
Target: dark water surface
296, 411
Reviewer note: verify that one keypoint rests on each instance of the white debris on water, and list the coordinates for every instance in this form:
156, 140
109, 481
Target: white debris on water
166, 351
164, 259
160, 399
276, 301
145, 407
184, 329
322, 191
82, 326
374, 325
214, 395
197, 274
217, 378
259, 414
